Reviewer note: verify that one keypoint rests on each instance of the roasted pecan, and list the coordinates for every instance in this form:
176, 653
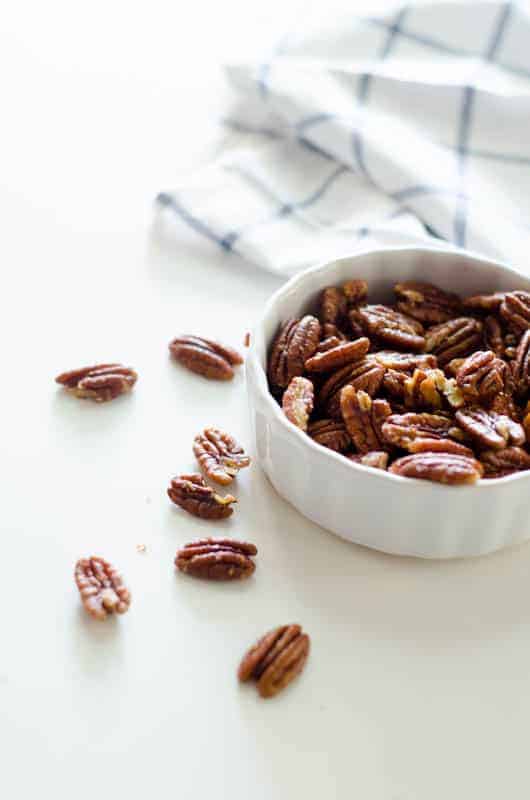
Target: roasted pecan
217, 559
394, 383
246, 340
330, 433
356, 325
295, 343
336, 357
205, 357
493, 335
426, 303
332, 306
329, 344
419, 433
489, 429
276, 659
486, 303
101, 383
297, 402
365, 374
355, 291
453, 366
377, 459
219, 455
363, 418
191, 493
454, 339
328, 330
521, 365
503, 403
498, 463
101, 587
515, 311
429, 388
392, 327
440, 467
405, 362
481, 376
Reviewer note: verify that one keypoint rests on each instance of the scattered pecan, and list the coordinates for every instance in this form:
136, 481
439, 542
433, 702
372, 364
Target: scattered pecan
521, 365
366, 375
493, 335
453, 339
377, 459
205, 357
296, 341
392, 327
330, 433
488, 429
101, 587
355, 291
405, 362
486, 303
515, 311
191, 493
426, 303
219, 455
297, 402
363, 418
481, 376
499, 463
445, 468
276, 659
246, 340
425, 432
336, 357
101, 382
217, 559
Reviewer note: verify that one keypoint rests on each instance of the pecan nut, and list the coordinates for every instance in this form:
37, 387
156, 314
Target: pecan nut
217, 559
377, 459
330, 433
329, 344
487, 303
499, 463
219, 455
101, 382
365, 374
481, 376
276, 659
454, 339
296, 341
341, 355
329, 330
488, 429
515, 311
191, 493
493, 335
332, 306
297, 402
210, 359
419, 433
391, 327
405, 362
364, 418
426, 303
521, 365
101, 587
355, 291
447, 468
432, 389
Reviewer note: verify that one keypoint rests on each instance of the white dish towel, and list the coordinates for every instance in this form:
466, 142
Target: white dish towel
400, 126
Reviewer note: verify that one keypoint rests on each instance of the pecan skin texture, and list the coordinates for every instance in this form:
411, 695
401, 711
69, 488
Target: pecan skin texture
364, 418
454, 339
101, 382
426, 303
377, 459
453, 470
210, 359
217, 559
332, 307
276, 659
336, 357
419, 433
219, 455
392, 327
481, 376
328, 344
191, 493
487, 303
355, 291
431, 389
499, 463
488, 429
521, 365
515, 311
330, 433
405, 362
366, 375
296, 341
298, 401
493, 335
101, 588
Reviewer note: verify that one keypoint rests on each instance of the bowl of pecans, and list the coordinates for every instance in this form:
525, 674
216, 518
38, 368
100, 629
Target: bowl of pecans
390, 400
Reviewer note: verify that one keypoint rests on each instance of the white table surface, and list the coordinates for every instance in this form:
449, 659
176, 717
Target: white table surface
417, 687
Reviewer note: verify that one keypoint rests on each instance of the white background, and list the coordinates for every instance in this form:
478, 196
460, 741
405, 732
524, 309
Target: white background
417, 684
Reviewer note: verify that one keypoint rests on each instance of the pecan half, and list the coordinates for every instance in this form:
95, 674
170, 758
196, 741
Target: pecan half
332, 306
217, 559
330, 433
493, 335
503, 403
329, 330
336, 357
486, 303
498, 463
445, 468
377, 459
392, 327
191, 493
453, 366
297, 402
489, 429
101, 587
363, 418
329, 344
296, 341
355, 291
219, 455
101, 382
366, 375
481, 376
419, 433
429, 388
426, 303
453, 339
276, 659
515, 311
405, 362
521, 365
210, 359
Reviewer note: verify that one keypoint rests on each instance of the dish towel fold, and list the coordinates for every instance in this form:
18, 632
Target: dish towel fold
408, 125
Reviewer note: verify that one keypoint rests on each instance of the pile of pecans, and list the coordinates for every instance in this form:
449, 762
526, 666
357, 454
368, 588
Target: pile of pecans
433, 386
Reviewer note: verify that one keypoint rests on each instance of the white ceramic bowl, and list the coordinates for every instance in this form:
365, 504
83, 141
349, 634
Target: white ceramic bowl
371, 507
